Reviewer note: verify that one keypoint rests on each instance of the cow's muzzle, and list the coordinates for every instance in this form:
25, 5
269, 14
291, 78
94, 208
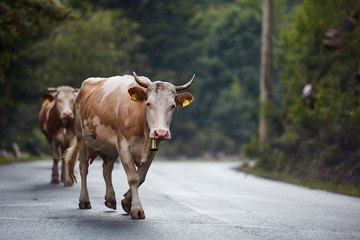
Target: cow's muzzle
161, 134
67, 114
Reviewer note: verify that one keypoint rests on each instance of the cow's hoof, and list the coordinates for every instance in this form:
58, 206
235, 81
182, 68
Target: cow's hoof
55, 181
137, 214
111, 204
126, 206
85, 205
68, 183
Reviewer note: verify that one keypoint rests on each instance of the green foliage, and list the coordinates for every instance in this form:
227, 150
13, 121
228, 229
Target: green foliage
217, 40
318, 141
240, 112
6, 160
101, 43
227, 66
35, 141
23, 22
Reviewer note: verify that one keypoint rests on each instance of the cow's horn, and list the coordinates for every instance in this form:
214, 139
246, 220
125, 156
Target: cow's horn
185, 86
52, 89
139, 81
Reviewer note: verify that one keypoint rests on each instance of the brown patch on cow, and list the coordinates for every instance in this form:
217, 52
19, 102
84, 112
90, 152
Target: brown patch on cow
92, 104
87, 123
49, 120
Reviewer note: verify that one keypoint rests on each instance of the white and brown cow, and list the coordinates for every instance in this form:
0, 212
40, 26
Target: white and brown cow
56, 120
120, 117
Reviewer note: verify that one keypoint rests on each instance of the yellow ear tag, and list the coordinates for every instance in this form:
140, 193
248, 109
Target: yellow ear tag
47, 101
133, 97
185, 103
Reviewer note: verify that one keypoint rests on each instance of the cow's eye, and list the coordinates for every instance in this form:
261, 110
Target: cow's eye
172, 107
148, 104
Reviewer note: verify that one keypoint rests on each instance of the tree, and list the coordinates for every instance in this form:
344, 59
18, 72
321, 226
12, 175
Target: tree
265, 70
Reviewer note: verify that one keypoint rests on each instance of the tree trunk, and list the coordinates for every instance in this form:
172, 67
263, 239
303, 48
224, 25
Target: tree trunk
265, 70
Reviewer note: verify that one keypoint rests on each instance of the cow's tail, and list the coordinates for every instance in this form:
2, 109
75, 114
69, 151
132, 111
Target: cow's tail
71, 155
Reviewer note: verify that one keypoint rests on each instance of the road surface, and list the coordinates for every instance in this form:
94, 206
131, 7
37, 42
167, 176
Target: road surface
181, 200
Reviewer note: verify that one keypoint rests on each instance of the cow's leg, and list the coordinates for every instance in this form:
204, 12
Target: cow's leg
133, 180
142, 171
127, 202
84, 202
56, 157
64, 173
110, 200
55, 172
63, 169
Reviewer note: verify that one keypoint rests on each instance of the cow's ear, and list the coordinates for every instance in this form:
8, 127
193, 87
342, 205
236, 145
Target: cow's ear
137, 94
47, 98
183, 99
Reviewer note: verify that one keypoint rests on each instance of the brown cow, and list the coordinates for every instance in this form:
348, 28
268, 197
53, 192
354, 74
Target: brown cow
56, 120
120, 117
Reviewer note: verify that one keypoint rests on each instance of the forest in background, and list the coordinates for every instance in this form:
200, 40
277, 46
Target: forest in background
315, 131
49, 43
65, 43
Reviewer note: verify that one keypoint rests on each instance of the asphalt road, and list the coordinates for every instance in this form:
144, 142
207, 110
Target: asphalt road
181, 200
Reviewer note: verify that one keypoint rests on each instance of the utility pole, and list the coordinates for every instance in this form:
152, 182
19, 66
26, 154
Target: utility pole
265, 70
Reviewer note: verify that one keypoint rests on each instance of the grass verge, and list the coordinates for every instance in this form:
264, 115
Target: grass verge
4, 160
350, 190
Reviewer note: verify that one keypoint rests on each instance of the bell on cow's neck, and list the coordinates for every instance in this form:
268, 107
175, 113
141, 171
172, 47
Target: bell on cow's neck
153, 145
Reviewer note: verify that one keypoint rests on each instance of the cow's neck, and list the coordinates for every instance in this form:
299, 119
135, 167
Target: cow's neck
67, 123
